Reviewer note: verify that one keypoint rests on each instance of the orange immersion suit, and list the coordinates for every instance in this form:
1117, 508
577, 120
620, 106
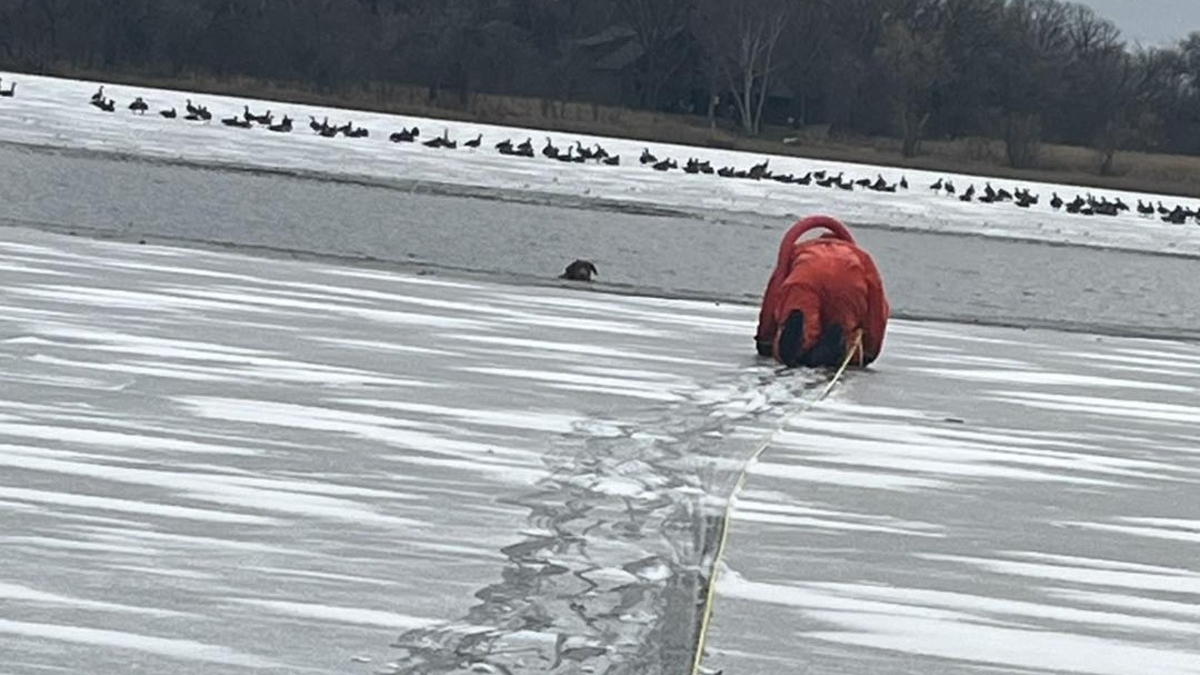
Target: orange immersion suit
822, 291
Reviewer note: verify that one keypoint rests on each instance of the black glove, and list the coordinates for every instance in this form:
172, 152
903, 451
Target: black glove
765, 348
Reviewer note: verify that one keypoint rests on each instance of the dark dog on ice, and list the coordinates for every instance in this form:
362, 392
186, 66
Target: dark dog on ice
580, 270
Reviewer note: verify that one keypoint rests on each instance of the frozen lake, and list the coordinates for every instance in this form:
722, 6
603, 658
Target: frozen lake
411, 451
55, 113
987, 501
214, 465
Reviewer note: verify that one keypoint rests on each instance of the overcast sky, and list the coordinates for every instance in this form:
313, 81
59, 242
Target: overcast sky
1151, 22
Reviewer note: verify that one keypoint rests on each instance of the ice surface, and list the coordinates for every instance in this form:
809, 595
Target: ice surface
278, 467
943, 516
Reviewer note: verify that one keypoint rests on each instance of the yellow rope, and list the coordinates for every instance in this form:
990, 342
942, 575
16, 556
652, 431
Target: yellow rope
706, 618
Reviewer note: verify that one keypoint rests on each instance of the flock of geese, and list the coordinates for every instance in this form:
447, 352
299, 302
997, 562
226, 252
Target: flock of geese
578, 154
1089, 206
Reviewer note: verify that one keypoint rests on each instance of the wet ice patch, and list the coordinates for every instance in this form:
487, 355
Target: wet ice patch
807, 517
183, 650
1106, 407
349, 615
509, 419
970, 629
16, 593
1052, 379
59, 500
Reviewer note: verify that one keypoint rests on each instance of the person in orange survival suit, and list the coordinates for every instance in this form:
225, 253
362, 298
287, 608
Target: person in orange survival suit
821, 293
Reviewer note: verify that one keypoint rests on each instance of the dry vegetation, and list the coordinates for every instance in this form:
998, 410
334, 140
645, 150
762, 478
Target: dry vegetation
1135, 171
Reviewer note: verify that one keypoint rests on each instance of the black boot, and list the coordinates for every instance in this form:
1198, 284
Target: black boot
791, 340
829, 350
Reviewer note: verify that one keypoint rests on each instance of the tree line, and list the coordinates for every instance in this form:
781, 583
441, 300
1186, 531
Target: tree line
1025, 71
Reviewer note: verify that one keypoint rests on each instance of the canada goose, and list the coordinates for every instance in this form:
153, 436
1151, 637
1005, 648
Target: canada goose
235, 122
139, 106
1176, 217
284, 126
759, 171
1056, 202
614, 160
169, 114
550, 151
99, 95
475, 143
442, 141
10, 92
648, 158
830, 181
579, 270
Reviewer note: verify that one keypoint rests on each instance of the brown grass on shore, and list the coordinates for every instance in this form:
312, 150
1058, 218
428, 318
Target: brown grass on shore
1071, 165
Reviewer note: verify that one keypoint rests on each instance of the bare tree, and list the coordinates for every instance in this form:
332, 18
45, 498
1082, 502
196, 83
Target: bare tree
913, 61
805, 51
741, 39
660, 27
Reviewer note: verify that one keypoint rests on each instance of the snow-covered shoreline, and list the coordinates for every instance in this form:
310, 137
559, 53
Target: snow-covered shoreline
54, 112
